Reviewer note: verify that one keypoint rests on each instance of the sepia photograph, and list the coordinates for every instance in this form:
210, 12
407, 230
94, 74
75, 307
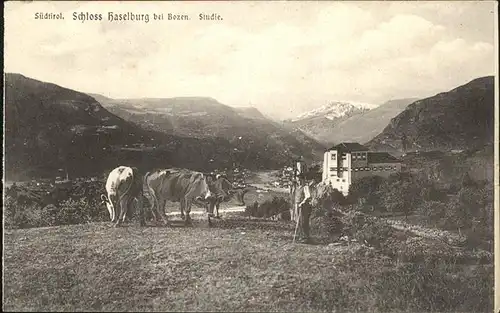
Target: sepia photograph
251, 156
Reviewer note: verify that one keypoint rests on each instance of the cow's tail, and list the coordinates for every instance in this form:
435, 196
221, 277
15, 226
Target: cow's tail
113, 202
149, 193
145, 181
122, 195
105, 200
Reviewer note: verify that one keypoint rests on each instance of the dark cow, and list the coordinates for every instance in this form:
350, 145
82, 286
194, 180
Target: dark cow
224, 191
123, 187
177, 185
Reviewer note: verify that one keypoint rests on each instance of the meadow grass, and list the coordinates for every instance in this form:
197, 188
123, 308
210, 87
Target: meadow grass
239, 264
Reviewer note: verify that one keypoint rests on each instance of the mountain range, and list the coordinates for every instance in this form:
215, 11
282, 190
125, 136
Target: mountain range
206, 118
340, 121
49, 127
318, 123
460, 119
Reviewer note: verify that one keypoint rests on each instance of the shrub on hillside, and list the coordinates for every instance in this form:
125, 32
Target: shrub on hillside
366, 190
366, 229
22, 216
329, 221
401, 193
326, 199
83, 210
328, 225
325, 219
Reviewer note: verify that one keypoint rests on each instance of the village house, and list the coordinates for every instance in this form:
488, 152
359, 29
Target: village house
349, 161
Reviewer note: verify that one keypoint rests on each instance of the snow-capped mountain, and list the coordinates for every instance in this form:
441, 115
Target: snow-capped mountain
335, 109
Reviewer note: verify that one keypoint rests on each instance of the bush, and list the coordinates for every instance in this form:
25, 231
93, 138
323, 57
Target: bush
326, 199
365, 190
327, 226
85, 208
366, 229
22, 216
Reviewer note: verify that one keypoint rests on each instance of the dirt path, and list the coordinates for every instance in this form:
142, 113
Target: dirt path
430, 233
200, 211
424, 232
265, 187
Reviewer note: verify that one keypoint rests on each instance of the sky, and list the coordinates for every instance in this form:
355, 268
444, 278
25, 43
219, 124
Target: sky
283, 58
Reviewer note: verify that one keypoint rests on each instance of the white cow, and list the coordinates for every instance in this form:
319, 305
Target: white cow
124, 185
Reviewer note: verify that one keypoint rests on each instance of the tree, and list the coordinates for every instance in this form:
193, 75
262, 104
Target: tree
401, 196
365, 189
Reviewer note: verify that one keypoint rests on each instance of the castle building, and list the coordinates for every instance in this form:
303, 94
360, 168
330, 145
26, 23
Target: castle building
349, 161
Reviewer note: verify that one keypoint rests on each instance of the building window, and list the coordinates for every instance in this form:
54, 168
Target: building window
344, 156
367, 168
363, 156
343, 180
334, 156
387, 168
374, 168
332, 175
355, 169
380, 168
333, 169
338, 179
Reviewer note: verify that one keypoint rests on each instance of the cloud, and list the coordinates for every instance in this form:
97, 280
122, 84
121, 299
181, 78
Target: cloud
284, 58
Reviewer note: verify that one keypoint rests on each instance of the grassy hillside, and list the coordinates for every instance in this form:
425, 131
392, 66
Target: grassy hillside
462, 118
239, 265
446, 167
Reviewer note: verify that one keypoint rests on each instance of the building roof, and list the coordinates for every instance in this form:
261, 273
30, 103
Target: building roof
349, 146
381, 157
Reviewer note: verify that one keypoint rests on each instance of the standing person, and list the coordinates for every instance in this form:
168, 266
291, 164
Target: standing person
297, 181
303, 197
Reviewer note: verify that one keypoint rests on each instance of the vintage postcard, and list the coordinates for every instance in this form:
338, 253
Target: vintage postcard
282, 156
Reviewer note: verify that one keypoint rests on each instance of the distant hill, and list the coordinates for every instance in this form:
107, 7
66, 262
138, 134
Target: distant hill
48, 127
462, 118
320, 122
250, 112
205, 118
